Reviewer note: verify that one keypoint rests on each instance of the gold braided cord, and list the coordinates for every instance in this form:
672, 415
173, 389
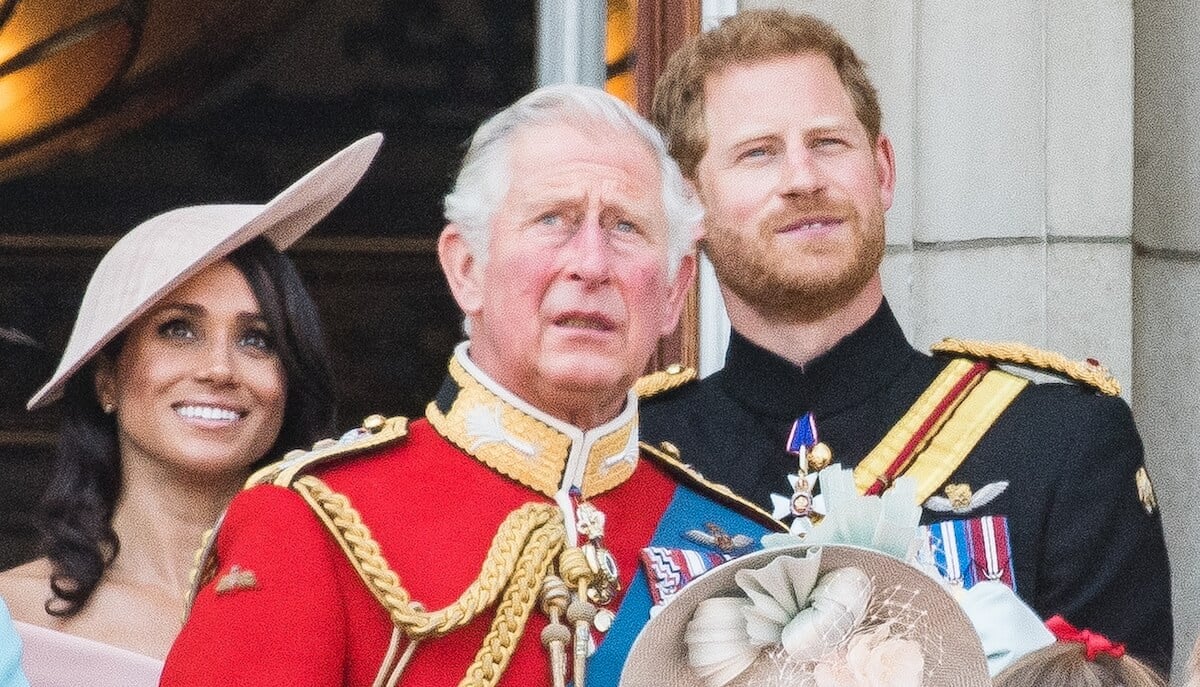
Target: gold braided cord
573, 567
502, 560
204, 568
1093, 375
520, 596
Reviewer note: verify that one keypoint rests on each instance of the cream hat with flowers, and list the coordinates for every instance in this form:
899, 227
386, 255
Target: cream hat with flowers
163, 252
828, 615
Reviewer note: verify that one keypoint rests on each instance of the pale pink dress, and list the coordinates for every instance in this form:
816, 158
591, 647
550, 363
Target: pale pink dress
57, 659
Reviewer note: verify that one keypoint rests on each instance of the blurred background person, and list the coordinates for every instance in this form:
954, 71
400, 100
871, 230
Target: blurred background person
1080, 658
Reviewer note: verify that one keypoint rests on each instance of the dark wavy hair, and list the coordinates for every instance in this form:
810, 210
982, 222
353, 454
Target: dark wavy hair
75, 513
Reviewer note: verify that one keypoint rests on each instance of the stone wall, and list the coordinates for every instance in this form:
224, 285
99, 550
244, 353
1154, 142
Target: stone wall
1166, 281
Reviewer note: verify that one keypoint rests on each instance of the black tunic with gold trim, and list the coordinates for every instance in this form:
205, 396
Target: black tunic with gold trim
1083, 544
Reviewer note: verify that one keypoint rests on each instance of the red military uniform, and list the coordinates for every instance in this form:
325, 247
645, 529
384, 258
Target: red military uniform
284, 605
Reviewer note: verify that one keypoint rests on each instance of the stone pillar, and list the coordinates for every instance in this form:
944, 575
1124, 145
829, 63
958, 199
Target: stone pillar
570, 47
1166, 284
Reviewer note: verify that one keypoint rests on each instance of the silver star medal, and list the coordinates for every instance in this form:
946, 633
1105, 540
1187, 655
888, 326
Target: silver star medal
812, 456
781, 506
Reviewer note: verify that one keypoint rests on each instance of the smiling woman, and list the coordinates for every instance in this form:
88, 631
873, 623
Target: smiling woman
198, 386
196, 355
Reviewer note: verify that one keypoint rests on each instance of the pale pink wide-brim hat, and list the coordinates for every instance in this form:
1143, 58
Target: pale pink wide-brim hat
952, 652
161, 253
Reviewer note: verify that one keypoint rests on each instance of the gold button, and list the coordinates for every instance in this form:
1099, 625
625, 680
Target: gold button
373, 423
820, 457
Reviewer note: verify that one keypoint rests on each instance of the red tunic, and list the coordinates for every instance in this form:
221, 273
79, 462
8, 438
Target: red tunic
310, 620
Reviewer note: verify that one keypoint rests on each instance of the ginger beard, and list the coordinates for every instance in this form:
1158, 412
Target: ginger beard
794, 186
798, 279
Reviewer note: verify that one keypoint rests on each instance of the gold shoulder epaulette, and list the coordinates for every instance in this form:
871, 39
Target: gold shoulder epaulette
376, 431
667, 455
662, 381
1088, 372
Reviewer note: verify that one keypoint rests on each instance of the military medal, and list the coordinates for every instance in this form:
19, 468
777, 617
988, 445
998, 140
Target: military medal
573, 598
606, 578
819, 457
714, 536
812, 455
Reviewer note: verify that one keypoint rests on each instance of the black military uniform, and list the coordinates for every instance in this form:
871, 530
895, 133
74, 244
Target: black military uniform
1084, 545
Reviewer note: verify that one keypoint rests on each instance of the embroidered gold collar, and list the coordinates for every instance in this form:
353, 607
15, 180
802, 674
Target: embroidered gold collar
515, 439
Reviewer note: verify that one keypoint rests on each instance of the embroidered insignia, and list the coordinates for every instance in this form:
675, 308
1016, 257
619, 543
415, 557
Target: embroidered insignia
236, 579
959, 499
1145, 490
959, 495
628, 454
717, 538
668, 570
485, 424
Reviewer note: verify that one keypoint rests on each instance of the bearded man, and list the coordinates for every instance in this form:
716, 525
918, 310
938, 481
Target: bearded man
772, 117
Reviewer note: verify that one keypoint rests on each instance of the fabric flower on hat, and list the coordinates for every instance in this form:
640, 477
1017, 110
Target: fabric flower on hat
873, 658
816, 627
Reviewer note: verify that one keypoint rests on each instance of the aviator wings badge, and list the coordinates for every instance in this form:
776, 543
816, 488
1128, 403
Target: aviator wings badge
959, 498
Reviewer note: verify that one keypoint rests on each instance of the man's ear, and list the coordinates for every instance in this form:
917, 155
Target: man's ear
463, 270
885, 167
681, 286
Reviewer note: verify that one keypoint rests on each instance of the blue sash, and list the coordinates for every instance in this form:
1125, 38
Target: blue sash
686, 511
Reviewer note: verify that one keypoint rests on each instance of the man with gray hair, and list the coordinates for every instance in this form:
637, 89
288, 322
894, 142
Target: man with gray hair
498, 539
